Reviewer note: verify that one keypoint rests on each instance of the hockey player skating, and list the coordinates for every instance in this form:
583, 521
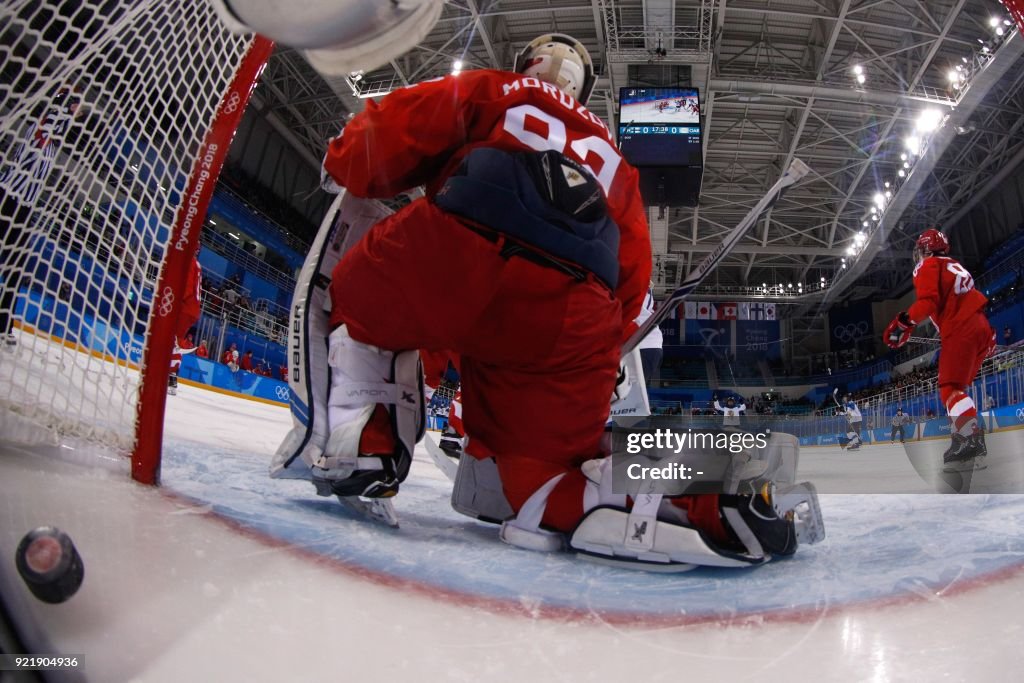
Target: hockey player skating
854, 422
544, 232
731, 411
899, 423
946, 294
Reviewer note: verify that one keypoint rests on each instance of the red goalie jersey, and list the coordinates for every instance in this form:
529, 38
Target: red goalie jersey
419, 135
945, 293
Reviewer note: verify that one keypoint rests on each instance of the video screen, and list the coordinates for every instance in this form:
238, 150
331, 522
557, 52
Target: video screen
660, 126
659, 105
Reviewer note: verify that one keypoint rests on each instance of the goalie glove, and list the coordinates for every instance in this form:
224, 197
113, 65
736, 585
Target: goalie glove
898, 332
622, 386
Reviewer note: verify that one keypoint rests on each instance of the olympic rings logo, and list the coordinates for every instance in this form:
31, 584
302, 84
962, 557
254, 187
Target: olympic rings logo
282, 392
166, 303
232, 103
850, 332
1020, 414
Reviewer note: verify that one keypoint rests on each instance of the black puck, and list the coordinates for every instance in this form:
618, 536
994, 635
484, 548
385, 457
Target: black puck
49, 563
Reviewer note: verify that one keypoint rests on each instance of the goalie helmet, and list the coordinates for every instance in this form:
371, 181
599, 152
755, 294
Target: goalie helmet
560, 60
930, 242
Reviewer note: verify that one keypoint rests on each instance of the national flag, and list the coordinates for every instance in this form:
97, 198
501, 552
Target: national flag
691, 310
769, 311
757, 312
727, 312
744, 311
705, 311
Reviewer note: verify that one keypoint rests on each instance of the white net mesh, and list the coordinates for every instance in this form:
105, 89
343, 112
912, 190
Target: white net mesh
103, 108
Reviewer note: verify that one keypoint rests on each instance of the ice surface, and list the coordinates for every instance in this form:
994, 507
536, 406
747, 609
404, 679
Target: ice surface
226, 574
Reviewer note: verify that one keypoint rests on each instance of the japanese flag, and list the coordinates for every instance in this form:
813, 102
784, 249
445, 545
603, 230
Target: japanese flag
705, 311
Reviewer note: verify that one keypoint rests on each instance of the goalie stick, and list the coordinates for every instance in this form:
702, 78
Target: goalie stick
795, 172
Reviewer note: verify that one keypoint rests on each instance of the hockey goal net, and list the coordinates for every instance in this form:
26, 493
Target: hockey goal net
115, 118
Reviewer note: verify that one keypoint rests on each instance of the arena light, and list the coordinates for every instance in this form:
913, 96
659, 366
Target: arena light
1000, 31
861, 237
888, 194
913, 144
994, 22
928, 120
879, 200
861, 79
903, 157
864, 223
456, 67
858, 69
953, 76
851, 250
887, 184
901, 173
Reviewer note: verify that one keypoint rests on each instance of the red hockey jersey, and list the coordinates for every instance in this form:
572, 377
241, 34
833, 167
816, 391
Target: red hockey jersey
419, 135
945, 293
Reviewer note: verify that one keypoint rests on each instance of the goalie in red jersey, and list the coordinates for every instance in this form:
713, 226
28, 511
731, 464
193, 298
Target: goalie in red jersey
946, 294
544, 234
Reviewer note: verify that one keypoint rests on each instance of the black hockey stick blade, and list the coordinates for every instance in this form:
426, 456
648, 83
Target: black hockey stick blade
794, 173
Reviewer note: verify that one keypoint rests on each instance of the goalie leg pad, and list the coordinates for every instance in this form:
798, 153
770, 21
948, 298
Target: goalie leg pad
348, 219
613, 534
478, 492
356, 390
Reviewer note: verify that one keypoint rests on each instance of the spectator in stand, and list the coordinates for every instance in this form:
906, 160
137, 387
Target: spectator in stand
203, 351
990, 402
930, 415
246, 363
230, 358
1007, 335
230, 295
283, 372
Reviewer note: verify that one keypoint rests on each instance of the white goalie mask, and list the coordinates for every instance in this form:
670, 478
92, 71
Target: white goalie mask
560, 60
338, 36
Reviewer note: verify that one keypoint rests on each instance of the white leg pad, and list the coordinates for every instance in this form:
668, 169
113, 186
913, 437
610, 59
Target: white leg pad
611, 534
360, 376
478, 492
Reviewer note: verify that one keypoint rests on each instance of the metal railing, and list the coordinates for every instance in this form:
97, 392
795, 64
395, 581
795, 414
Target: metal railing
252, 264
243, 318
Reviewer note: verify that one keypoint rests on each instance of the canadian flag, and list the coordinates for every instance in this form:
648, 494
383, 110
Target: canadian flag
705, 311
727, 312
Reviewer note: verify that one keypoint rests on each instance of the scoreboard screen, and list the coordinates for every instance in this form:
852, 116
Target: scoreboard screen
660, 126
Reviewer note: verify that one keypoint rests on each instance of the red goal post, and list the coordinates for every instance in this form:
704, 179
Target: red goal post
181, 250
117, 119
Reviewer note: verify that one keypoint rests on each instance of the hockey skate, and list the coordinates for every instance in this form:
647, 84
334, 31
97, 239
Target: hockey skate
965, 453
